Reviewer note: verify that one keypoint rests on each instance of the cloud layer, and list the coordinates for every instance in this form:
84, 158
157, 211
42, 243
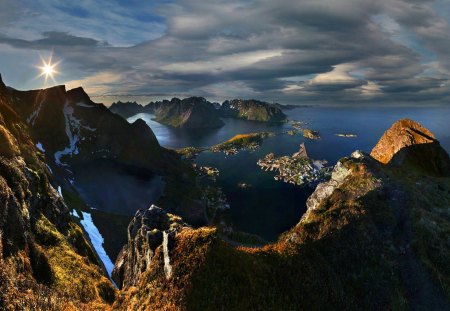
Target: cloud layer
309, 51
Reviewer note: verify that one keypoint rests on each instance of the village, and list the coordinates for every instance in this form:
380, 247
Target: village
297, 169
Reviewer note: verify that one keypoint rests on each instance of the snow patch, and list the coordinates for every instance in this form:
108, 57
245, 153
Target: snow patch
33, 116
60, 192
167, 266
73, 132
85, 105
97, 241
40, 147
74, 214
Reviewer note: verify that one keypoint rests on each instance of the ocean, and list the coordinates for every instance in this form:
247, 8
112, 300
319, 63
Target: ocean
270, 207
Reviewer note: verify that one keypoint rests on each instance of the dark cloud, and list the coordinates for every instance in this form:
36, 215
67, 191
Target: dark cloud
51, 39
293, 51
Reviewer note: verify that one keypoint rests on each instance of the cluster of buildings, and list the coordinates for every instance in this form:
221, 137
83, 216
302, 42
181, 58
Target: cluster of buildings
297, 169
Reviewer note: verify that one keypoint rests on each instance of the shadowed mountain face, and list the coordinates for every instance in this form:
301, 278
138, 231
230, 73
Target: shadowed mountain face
73, 129
45, 261
252, 110
374, 236
188, 113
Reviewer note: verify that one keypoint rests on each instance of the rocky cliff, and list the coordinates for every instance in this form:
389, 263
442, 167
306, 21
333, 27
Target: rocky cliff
374, 237
252, 110
46, 262
407, 143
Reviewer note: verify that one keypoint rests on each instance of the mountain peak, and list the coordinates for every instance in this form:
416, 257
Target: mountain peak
407, 142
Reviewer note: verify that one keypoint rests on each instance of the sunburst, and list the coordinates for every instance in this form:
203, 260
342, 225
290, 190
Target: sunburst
48, 69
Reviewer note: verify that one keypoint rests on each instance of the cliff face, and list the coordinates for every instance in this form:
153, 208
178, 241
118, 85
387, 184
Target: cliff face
45, 261
407, 143
374, 237
252, 110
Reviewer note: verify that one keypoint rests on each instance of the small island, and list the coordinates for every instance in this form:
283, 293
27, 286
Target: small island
311, 134
240, 142
297, 169
346, 135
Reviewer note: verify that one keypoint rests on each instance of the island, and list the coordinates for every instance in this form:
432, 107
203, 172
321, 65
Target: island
346, 135
239, 142
297, 169
311, 134
252, 110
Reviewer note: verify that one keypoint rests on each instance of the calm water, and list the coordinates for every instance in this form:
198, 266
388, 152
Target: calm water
269, 207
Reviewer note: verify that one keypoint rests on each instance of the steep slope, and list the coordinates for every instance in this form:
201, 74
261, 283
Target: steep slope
374, 237
81, 130
45, 261
252, 110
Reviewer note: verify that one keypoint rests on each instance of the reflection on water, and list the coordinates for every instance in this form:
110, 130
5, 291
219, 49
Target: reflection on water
269, 207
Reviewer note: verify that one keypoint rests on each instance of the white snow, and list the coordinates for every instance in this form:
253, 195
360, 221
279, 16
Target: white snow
97, 241
74, 213
84, 105
167, 266
40, 147
73, 132
49, 169
60, 192
33, 116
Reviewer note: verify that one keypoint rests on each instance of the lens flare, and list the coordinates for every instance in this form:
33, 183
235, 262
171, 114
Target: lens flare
48, 69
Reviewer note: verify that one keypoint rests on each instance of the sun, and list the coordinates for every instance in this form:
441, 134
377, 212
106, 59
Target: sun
48, 69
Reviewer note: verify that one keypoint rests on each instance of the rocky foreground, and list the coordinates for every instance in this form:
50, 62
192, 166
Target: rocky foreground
375, 236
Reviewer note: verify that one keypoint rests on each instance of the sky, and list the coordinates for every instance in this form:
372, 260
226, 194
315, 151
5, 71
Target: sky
288, 51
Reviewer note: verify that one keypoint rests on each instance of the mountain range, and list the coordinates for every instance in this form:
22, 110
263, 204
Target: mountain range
197, 112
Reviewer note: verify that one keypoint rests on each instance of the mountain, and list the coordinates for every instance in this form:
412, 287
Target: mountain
375, 236
127, 109
189, 113
46, 263
252, 110
192, 113
72, 129
407, 143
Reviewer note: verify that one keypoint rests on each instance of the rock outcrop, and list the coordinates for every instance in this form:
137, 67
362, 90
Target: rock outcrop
407, 143
252, 110
145, 234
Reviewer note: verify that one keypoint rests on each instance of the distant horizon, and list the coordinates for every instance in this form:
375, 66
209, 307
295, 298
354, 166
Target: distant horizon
143, 100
